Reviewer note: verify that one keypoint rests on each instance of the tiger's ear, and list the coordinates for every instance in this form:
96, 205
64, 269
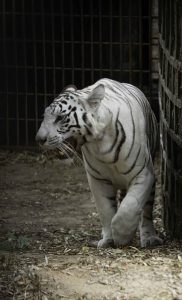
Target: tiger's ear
70, 87
95, 97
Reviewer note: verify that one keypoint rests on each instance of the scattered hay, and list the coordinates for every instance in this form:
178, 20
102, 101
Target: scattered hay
57, 262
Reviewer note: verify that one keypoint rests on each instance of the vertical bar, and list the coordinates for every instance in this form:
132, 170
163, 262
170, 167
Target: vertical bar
82, 45
166, 39
110, 38
25, 72
53, 48
150, 50
180, 37
140, 44
163, 19
160, 15
100, 37
62, 42
170, 22
130, 44
92, 52
175, 28
120, 38
72, 42
6, 72
16, 72
35, 67
166, 21
43, 50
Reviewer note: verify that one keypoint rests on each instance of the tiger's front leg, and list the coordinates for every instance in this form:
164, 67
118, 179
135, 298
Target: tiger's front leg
105, 199
125, 222
148, 235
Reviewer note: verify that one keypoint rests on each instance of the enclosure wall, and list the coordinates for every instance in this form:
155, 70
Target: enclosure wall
170, 94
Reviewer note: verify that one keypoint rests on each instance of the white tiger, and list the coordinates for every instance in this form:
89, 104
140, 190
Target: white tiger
117, 130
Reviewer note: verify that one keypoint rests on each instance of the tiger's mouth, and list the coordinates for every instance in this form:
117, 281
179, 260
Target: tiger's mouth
66, 149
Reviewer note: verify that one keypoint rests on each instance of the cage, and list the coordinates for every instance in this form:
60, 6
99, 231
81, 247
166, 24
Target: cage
170, 96
46, 45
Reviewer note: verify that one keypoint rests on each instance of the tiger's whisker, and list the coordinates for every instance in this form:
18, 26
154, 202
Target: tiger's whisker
63, 151
73, 151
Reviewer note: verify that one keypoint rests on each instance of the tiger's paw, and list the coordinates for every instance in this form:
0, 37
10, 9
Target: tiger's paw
151, 241
105, 243
121, 240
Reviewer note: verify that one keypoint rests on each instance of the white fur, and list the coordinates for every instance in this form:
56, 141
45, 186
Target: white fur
103, 106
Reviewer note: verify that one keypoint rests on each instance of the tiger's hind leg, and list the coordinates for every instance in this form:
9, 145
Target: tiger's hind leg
125, 222
148, 236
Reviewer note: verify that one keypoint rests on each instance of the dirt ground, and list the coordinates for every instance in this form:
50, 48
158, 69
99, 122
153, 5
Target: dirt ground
47, 220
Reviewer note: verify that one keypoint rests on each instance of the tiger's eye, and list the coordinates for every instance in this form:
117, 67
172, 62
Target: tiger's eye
59, 118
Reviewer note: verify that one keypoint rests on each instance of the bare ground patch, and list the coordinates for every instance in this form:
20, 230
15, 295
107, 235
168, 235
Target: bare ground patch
47, 220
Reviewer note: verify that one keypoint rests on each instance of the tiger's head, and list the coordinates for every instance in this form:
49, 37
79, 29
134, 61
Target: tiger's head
73, 114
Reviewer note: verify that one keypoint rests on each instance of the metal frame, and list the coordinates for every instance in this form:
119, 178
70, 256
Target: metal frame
49, 44
170, 96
